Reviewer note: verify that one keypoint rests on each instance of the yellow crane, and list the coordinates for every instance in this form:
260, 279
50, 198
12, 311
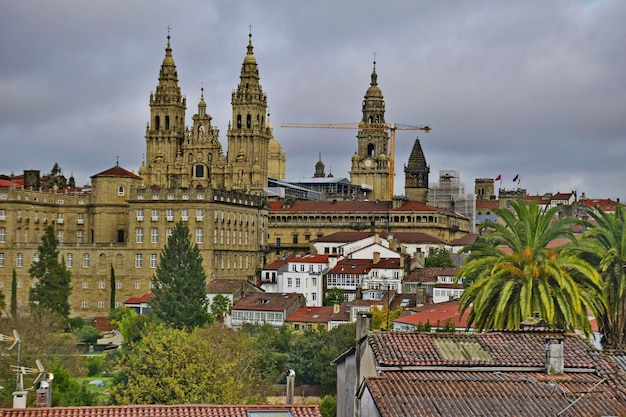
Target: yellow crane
391, 127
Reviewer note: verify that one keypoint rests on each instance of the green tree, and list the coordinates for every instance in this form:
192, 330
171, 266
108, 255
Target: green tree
605, 246
53, 286
112, 285
334, 296
273, 347
179, 284
382, 318
213, 364
513, 273
67, 391
439, 258
14, 294
328, 406
89, 334
220, 307
313, 351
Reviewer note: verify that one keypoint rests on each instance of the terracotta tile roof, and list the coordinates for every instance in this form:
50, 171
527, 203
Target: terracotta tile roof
329, 206
504, 349
429, 274
402, 237
103, 324
443, 393
468, 239
436, 313
486, 204
311, 315
352, 266
561, 196
4, 183
183, 410
138, 300
415, 206
225, 286
116, 171
276, 265
309, 258
267, 301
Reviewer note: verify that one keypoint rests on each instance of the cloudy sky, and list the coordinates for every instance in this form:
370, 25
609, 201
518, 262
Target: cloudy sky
529, 88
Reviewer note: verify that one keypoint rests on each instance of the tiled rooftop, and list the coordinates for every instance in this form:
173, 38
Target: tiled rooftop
505, 349
444, 393
190, 410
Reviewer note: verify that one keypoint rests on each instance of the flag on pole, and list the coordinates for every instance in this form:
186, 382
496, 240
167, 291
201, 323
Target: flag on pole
499, 177
516, 178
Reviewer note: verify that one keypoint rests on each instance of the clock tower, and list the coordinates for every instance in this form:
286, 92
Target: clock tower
370, 163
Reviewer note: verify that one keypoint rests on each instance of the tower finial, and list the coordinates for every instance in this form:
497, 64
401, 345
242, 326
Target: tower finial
117, 161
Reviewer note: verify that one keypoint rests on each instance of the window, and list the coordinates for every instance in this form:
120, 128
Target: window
85, 284
289, 282
138, 260
297, 282
137, 286
3, 214
199, 215
295, 239
153, 260
100, 304
168, 232
313, 296
69, 260
199, 235
86, 260
139, 235
170, 215
120, 190
84, 304
60, 218
155, 215
118, 285
79, 236
184, 215
101, 285
36, 257
60, 236
1, 259
20, 260
139, 215
118, 304
80, 218
154, 235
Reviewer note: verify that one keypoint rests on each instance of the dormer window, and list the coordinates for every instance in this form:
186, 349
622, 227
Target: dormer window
120, 190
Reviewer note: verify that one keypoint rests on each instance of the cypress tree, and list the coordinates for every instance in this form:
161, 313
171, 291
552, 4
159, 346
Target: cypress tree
53, 287
179, 284
14, 295
112, 299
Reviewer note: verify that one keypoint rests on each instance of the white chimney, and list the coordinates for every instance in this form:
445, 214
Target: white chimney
554, 355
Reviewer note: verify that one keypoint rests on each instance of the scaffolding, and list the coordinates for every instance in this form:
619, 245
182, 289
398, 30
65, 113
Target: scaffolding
449, 194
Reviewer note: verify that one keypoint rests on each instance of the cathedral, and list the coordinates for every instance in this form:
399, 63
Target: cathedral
179, 156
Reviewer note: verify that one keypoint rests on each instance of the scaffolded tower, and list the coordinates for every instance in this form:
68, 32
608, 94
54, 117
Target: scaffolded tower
449, 194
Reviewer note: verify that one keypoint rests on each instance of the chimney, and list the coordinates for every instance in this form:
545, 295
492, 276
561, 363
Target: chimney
291, 376
554, 355
376, 257
336, 308
363, 324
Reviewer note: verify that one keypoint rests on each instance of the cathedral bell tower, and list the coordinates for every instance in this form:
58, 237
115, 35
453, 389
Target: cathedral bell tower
165, 132
370, 163
416, 175
248, 133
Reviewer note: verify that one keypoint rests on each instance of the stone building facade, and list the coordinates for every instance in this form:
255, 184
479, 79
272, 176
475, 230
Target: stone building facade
123, 220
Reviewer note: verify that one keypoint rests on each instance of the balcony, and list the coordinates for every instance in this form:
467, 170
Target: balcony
139, 218
155, 218
80, 221
170, 218
184, 218
60, 221
199, 218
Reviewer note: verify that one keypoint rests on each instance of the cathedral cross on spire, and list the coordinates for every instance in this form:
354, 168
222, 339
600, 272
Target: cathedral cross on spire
168, 30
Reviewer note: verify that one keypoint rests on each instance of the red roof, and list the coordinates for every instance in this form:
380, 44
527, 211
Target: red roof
183, 410
487, 204
139, 300
267, 301
430, 274
311, 315
116, 171
310, 258
436, 313
402, 237
276, 265
4, 183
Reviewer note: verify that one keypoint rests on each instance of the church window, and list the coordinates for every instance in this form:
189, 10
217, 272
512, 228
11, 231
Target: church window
120, 190
248, 121
199, 171
370, 119
157, 123
238, 121
167, 122
370, 150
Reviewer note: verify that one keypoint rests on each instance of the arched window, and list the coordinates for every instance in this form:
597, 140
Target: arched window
248, 121
167, 122
120, 190
370, 150
157, 123
238, 121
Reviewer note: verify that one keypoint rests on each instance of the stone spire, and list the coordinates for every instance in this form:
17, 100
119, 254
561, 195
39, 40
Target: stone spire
416, 175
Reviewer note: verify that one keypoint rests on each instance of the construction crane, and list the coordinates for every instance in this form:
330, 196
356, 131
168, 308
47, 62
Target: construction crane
391, 127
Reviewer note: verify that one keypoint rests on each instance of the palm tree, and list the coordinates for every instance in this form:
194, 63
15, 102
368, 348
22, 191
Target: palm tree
221, 307
605, 245
513, 274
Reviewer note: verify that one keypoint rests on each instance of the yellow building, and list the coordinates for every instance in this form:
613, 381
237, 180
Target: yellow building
123, 220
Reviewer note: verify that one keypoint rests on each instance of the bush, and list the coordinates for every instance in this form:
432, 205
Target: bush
328, 406
94, 365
